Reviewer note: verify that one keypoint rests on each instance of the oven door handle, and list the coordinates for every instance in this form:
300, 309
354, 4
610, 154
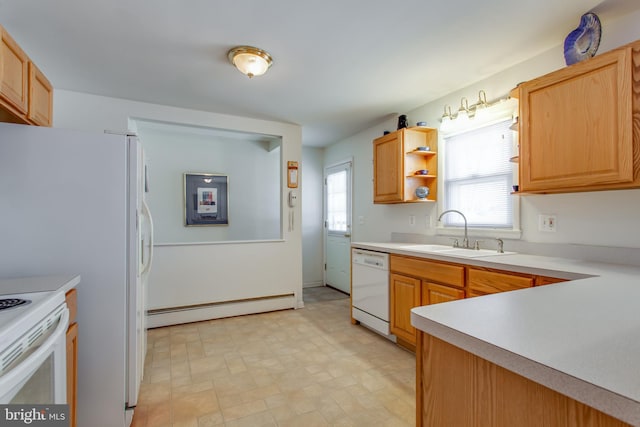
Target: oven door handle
20, 374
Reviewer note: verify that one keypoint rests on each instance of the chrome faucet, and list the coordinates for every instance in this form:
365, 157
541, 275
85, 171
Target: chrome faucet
465, 241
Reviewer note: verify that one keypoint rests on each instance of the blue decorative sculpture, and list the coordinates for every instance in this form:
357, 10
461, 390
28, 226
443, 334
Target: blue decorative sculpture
582, 43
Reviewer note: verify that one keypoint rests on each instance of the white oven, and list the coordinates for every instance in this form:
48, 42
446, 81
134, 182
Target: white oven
33, 363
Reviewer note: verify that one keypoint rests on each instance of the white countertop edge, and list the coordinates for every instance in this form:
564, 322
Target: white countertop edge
606, 401
71, 283
55, 283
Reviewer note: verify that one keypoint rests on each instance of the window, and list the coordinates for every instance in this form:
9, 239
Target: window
338, 199
478, 176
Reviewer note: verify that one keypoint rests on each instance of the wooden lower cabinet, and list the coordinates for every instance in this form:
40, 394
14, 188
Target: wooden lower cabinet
404, 295
72, 357
417, 281
457, 388
72, 372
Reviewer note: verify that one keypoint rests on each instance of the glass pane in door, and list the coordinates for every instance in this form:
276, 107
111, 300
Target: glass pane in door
337, 201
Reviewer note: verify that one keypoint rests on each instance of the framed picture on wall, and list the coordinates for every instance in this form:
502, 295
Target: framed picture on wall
206, 199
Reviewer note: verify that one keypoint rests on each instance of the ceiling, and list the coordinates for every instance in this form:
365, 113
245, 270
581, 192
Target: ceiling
339, 66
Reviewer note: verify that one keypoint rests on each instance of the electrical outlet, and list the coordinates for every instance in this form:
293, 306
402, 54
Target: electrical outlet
412, 220
547, 223
361, 220
427, 221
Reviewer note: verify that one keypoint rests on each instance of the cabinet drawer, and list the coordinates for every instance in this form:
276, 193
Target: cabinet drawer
489, 282
542, 280
439, 272
72, 305
434, 294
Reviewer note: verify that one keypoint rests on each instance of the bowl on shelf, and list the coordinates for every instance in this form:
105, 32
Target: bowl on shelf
421, 172
423, 148
421, 124
422, 192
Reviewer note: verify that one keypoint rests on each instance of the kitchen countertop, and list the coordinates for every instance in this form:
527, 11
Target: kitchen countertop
25, 285
580, 338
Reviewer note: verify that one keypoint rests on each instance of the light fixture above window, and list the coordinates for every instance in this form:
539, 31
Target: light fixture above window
250, 60
478, 113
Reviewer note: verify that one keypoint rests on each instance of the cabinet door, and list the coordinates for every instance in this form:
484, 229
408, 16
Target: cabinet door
388, 179
405, 294
576, 130
13, 74
72, 372
40, 97
433, 293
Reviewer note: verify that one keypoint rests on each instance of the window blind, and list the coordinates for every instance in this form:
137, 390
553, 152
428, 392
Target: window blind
478, 176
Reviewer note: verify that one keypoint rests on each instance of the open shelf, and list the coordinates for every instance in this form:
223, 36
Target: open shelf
422, 153
420, 200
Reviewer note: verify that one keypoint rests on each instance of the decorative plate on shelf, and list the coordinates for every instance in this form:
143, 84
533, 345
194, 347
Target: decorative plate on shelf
583, 42
422, 192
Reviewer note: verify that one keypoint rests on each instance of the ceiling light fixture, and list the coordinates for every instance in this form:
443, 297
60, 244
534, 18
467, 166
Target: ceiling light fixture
250, 60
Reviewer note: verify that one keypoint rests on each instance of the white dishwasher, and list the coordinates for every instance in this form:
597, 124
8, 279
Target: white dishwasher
370, 289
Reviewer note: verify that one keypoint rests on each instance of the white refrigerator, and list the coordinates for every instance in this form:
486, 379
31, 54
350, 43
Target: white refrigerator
73, 203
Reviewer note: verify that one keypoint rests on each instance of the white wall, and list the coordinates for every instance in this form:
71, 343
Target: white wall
312, 216
237, 270
606, 218
252, 168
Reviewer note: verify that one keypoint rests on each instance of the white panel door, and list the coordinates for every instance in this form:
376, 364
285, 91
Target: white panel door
337, 204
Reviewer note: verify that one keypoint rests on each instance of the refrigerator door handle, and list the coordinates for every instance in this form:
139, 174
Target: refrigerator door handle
147, 213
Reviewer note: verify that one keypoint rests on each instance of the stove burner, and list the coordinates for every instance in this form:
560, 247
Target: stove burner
6, 303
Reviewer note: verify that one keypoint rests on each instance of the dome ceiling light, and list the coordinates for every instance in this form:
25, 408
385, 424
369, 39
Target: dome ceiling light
250, 60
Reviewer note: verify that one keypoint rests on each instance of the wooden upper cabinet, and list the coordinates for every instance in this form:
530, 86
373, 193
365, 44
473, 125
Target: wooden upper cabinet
388, 185
26, 96
40, 97
13, 74
577, 126
396, 159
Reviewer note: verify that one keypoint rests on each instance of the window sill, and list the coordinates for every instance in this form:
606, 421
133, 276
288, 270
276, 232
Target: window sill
474, 233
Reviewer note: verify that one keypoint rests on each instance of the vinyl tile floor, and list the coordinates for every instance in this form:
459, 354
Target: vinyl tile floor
307, 367
321, 293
